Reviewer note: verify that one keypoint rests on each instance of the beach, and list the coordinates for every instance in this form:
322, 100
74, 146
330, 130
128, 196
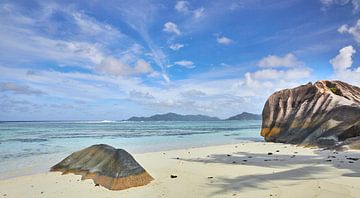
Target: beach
248, 169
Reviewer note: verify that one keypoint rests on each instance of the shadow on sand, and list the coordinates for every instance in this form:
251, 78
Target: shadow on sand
315, 167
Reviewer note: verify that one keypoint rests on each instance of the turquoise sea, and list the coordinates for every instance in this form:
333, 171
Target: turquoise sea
33, 147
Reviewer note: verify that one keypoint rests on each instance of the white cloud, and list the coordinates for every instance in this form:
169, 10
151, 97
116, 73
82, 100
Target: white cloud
328, 3
166, 77
143, 67
266, 74
343, 60
116, 67
18, 89
198, 12
272, 61
224, 40
176, 46
182, 6
354, 30
342, 65
171, 28
90, 26
185, 63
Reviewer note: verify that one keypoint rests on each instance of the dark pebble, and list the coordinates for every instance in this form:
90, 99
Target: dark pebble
210, 177
42, 192
351, 162
249, 156
244, 160
353, 158
234, 162
173, 176
177, 158
4, 195
328, 160
269, 153
97, 184
277, 151
228, 155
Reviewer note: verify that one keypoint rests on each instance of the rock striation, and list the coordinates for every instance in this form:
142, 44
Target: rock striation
115, 169
325, 114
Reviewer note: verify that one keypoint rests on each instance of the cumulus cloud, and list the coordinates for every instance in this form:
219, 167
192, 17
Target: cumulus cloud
342, 65
18, 89
182, 6
329, 3
354, 30
343, 60
171, 27
272, 61
116, 67
185, 63
224, 40
176, 46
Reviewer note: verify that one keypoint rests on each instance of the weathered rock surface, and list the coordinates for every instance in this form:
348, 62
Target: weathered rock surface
115, 169
325, 114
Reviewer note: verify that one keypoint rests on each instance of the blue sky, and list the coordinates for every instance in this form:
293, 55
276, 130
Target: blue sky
64, 60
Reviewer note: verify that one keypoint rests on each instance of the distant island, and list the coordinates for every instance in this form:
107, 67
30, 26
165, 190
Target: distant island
179, 117
245, 116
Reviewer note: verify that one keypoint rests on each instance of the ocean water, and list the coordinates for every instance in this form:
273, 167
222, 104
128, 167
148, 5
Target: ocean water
33, 147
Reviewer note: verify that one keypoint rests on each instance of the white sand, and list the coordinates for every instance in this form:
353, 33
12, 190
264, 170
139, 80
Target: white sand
308, 174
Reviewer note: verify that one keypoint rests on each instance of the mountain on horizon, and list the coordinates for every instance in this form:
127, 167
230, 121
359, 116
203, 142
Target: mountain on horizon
178, 117
175, 117
245, 116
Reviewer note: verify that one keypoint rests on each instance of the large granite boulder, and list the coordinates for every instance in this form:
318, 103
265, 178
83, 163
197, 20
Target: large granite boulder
115, 169
325, 114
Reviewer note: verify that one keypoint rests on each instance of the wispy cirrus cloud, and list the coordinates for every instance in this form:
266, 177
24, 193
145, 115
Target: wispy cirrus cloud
185, 63
18, 89
176, 46
352, 30
329, 3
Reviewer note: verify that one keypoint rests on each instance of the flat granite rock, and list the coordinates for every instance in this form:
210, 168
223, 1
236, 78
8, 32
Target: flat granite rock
115, 169
324, 114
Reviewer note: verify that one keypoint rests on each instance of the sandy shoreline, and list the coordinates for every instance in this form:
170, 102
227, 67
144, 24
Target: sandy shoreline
236, 170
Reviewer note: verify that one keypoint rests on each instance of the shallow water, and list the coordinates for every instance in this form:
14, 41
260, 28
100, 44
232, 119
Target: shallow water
30, 147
